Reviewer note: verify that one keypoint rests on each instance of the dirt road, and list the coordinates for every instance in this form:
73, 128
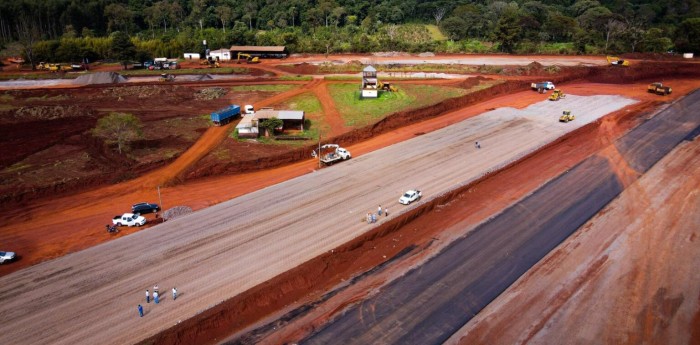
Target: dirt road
235, 245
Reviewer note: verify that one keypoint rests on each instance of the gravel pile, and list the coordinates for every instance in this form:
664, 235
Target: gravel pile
100, 78
210, 93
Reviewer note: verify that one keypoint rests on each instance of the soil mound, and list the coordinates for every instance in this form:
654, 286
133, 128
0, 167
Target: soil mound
100, 78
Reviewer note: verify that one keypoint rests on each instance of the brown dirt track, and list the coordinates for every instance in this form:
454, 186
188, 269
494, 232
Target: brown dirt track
44, 233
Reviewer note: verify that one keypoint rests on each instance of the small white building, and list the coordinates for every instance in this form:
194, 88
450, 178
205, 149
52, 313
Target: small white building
221, 54
369, 83
192, 56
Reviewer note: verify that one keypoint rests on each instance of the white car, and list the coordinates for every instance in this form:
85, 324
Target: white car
6, 256
410, 196
129, 219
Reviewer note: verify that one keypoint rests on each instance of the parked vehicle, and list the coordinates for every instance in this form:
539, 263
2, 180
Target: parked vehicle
410, 196
224, 116
616, 61
129, 219
543, 85
331, 153
7, 257
144, 207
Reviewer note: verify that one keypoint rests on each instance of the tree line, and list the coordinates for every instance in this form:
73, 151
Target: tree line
72, 30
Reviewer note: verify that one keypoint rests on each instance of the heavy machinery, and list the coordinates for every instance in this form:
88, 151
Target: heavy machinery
48, 66
387, 87
248, 58
210, 63
557, 95
331, 153
542, 86
166, 77
616, 61
566, 116
659, 89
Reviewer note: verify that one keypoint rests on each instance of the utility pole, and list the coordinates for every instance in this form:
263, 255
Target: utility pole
319, 148
161, 203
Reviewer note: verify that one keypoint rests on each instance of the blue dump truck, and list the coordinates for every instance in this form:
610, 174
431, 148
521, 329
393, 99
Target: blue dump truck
224, 116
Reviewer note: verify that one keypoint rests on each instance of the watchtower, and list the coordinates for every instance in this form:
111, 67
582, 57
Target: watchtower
369, 82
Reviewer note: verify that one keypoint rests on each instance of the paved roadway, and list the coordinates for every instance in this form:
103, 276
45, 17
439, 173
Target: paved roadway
433, 301
90, 297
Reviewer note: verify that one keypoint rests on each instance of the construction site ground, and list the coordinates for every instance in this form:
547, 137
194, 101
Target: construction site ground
51, 227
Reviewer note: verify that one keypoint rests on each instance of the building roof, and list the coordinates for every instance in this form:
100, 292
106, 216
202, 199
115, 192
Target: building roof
278, 49
280, 114
220, 51
369, 69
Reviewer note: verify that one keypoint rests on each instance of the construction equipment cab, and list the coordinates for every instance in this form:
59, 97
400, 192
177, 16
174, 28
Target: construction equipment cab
248, 58
616, 61
543, 85
331, 153
557, 95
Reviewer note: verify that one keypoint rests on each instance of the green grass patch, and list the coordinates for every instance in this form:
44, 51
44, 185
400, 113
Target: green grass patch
264, 87
6, 98
296, 78
361, 112
435, 33
308, 102
7, 107
46, 98
39, 76
343, 77
16, 167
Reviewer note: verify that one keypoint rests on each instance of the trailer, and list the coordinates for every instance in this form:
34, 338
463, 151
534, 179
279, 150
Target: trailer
224, 116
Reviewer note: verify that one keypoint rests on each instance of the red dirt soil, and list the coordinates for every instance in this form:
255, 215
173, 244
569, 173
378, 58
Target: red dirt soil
50, 228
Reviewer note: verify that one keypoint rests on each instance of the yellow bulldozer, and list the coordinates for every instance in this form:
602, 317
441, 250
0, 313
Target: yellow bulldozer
387, 87
616, 61
566, 116
557, 95
248, 58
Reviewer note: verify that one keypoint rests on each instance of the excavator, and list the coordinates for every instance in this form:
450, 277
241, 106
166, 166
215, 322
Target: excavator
616, 61
248, 58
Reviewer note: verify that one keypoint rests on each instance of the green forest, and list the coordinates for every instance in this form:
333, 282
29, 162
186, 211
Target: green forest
73, 30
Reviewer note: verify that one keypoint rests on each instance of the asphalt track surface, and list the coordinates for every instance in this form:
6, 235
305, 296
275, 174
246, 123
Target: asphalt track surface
90, 297
433, 301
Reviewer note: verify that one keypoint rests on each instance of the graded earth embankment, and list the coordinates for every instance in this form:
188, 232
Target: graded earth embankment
432, 302
238, 244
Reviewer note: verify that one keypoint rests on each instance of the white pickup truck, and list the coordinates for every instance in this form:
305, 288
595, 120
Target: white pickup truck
129, 219
331, 153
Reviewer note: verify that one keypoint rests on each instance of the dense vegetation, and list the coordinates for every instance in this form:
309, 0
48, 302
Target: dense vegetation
71, 30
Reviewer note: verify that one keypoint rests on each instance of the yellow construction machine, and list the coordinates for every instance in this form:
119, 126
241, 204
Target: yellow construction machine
566, 116
48, 66
210, 63
557, 95
165, 77
387, 87
659, 89
616, 61
248, 58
